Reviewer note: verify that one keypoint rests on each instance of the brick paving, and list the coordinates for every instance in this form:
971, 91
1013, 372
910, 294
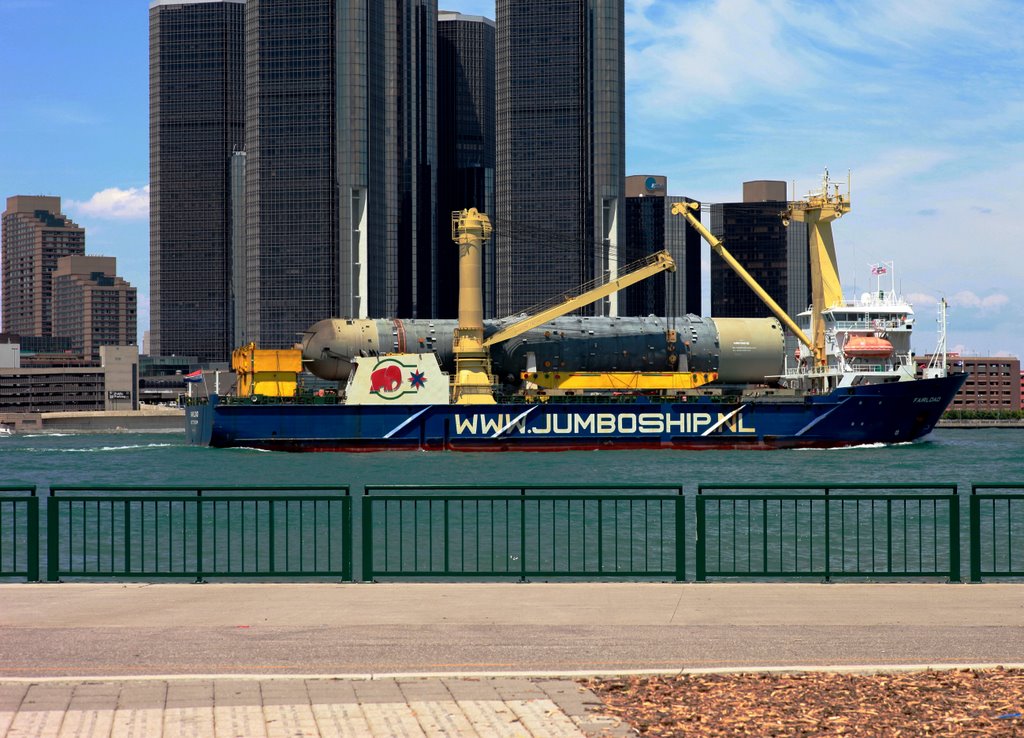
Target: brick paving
230, 707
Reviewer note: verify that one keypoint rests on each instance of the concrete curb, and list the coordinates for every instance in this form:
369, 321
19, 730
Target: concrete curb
795, 669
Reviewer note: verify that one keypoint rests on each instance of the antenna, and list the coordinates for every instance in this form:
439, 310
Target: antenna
937, 366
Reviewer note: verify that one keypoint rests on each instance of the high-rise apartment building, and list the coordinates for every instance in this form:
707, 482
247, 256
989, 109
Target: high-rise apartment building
92, 305
196, 101
35, 235
560, 148
651, 227
776, 255
340, 165
465, 142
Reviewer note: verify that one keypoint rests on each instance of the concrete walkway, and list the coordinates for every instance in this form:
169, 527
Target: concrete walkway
443, 659
256, 708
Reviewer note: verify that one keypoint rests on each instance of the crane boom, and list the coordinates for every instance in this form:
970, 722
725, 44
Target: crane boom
686, 210
818, 212
628, 275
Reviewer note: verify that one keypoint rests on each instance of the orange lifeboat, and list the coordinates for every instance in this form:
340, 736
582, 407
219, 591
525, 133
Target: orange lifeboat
867, 347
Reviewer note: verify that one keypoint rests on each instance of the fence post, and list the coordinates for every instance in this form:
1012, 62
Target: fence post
348, 534
828, 540
271, 520
126, 505
680, 537
52, 542
199, 537
975, 533
522, 535
701, 561
954, 537
368, 538
33, 535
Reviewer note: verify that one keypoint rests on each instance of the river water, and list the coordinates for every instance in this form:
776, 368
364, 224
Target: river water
947, 456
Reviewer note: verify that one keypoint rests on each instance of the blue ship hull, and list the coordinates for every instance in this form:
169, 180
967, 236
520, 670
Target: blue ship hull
881, 413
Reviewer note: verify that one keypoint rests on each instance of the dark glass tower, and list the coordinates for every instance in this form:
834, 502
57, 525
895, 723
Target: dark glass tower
340, 162
387, 157
465, 142
560, 161
196, 120
651, 227
775, 255
291, 195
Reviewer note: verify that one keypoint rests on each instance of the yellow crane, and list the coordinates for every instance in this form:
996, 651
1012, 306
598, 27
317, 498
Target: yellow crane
817, 211
473, 382
686, 209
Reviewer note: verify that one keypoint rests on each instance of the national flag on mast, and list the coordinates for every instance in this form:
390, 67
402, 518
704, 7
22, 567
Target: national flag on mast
878, 269
196, 376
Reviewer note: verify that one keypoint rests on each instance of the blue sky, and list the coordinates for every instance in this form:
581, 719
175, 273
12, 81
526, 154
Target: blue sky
921, 99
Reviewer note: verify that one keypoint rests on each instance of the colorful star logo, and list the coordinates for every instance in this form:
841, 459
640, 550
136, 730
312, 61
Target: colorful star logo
417, 380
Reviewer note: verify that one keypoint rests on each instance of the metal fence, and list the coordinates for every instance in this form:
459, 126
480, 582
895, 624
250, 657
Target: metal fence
523, 532
997, 530
511, 532
19, 532
173, 531
795, 531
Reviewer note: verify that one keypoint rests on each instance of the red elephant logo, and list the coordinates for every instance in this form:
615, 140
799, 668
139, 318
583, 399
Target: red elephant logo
386, 379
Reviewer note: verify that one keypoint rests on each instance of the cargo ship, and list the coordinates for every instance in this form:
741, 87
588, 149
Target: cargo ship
547, 380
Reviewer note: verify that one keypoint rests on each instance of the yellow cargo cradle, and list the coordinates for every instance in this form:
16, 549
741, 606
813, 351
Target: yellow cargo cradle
268, 372
619, 381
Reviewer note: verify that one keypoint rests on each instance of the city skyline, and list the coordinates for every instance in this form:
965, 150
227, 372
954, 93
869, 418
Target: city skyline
919, 100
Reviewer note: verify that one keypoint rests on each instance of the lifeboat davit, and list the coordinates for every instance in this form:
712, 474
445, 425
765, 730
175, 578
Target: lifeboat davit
867, 347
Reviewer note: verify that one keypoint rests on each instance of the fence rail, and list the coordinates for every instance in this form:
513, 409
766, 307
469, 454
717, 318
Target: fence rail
501, 531
799, 531
997, 530
164, 531
19, 532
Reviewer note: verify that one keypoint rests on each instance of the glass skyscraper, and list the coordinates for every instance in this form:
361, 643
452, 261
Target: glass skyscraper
776, 255
560, 148
651, 227
196, 120
465, 124
340, 163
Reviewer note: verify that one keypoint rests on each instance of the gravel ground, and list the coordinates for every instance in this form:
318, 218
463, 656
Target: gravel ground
927, 703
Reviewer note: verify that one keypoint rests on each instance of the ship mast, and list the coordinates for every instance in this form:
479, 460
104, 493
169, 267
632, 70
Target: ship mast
818, 211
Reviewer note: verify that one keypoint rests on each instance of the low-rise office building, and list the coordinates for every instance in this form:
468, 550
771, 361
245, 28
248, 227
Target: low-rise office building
993, 382
113, 385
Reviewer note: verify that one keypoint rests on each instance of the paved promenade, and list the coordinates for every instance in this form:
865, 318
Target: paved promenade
442, 659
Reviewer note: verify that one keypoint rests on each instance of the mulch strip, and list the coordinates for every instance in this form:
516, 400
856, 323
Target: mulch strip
961, 702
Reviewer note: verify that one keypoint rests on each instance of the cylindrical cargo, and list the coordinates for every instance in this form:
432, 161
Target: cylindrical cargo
741, 350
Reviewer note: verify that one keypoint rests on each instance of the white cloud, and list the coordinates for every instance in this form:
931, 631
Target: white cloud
967, 299
685, 63
113, 202
920, 300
